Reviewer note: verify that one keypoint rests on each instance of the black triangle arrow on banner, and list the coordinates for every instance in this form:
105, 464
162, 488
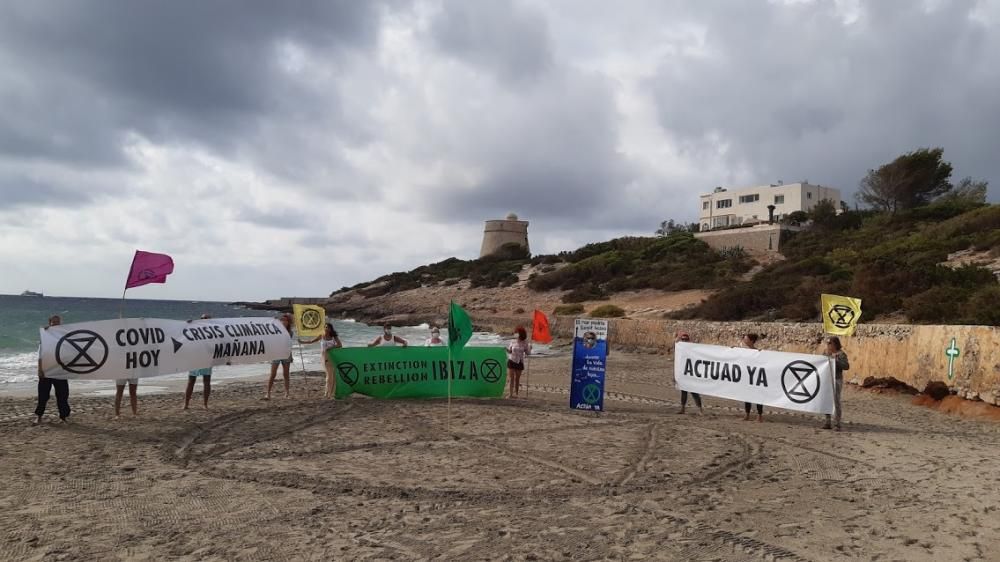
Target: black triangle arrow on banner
177, 344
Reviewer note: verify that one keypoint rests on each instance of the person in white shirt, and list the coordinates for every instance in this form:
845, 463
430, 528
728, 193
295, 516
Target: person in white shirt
435, 339
386, 339
330, 341
517, 350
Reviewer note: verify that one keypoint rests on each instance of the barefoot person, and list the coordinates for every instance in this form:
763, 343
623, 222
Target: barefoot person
835, 351
684, 337
750, 342
330, 340
386, 339
517, 350
206, 380
45, 385
133, 385
285, 364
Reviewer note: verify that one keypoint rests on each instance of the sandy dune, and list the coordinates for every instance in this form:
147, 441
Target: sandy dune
523, 480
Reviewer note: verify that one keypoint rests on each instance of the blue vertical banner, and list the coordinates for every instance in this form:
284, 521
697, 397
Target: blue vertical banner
590, 353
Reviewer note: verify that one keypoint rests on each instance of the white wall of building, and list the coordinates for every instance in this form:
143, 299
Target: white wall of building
749, 205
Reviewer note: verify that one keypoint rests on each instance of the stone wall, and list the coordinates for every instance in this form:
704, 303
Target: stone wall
763, 238
914, 355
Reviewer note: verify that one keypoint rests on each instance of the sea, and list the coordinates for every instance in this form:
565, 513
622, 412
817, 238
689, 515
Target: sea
21, 318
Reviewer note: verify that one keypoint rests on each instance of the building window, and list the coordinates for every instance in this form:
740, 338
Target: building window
723, 203
706, 205
809, 195
779, 199
749, 198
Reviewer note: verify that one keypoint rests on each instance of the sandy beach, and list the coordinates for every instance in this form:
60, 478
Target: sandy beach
526, 479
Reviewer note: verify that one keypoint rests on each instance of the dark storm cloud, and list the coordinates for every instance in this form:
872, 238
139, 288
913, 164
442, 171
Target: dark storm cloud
80, 76
546, 145
18, 191
793, 92
501, 35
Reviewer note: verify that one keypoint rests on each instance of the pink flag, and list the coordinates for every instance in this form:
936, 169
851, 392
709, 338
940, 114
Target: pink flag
148, 267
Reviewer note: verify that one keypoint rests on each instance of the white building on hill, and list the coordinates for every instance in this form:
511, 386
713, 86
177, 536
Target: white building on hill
723, 208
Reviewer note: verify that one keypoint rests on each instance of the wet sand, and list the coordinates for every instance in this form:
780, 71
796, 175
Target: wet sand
526, 479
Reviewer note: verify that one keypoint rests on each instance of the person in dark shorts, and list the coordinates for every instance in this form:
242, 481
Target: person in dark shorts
45, 385
750, 342
684, 337
517, 350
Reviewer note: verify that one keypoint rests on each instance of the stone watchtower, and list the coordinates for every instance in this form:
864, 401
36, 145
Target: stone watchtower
507, 231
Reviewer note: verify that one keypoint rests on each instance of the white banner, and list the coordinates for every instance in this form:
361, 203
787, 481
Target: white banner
147, 347
784, 380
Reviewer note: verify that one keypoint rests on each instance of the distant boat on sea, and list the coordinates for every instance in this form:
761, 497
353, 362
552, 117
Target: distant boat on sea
31, 294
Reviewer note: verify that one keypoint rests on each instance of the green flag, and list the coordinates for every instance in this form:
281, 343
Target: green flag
459, 327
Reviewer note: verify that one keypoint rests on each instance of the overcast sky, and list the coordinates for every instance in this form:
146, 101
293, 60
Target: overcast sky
279, 149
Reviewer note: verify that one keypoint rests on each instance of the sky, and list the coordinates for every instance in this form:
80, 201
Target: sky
290, 149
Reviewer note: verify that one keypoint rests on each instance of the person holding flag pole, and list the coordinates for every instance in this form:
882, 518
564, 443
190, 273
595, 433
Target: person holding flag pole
459, 334
540, 333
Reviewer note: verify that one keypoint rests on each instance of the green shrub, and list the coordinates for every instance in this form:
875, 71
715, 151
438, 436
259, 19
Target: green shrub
568, 309
607, 311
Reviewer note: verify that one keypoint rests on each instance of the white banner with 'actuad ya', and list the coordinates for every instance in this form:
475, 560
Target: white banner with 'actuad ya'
147, 347
784, 380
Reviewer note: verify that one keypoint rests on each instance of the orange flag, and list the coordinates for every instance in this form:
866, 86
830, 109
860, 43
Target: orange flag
540, 328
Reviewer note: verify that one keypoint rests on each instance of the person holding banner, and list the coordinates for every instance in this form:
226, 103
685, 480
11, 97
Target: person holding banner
750, 342
435, 339
386, 339
517, 350
835, 351
286, 321
331, 340
45, 385
684, 337
206, 380
133, 385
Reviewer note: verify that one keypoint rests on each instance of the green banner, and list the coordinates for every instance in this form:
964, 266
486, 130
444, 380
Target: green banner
419, 372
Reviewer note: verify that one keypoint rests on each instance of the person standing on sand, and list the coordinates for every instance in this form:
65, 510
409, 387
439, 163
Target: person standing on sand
386, 339
133, 385
517, 351
286, 321
750, 342
330, 341
684, 337
835, 351
45, 385
206, 380
435, 339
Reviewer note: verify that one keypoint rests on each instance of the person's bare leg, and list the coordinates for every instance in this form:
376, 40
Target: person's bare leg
270, 380
510, 383
206, 383
133, 399
288, 379
119, 391
189, 391
517, 383
331, 381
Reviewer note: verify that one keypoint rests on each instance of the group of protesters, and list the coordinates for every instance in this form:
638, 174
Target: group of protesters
834, 350
517, 351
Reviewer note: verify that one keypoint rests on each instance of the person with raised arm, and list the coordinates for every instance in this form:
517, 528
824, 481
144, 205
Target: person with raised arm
386, 339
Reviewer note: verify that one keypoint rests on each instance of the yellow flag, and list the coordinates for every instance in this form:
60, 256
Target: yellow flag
309, 319
840, 314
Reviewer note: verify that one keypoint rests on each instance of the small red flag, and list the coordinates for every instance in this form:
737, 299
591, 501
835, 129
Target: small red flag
540, 328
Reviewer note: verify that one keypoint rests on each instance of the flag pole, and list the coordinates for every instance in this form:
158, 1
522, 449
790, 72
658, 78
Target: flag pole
450, 370
121, 309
